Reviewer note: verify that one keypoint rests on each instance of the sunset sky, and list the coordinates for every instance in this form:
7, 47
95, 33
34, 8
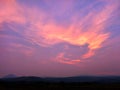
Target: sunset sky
57, 38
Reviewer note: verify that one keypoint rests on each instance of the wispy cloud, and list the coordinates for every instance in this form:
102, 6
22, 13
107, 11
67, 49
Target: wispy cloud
62, 59
42, 29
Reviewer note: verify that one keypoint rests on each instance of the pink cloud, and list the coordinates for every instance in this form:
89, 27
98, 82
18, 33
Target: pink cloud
10, 12
62, 59
50, 33
90, 53
21, 49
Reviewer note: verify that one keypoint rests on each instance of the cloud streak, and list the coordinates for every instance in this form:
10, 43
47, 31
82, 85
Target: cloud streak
62, 59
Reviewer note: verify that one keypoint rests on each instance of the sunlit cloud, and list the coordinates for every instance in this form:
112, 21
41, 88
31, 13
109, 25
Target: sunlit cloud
40, 28
62, 59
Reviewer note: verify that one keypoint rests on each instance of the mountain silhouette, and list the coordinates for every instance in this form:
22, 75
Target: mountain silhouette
10, 76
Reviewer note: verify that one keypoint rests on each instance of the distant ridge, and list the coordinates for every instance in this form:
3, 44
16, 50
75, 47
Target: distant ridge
10, 76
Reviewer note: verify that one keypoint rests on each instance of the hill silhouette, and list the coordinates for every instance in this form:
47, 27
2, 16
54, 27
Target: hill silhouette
10, 76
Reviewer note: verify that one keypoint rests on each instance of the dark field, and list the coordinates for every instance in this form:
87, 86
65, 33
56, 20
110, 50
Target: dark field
57, 86
68, 83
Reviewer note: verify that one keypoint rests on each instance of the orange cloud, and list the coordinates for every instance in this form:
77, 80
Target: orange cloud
88, 54
47, 33
62, 59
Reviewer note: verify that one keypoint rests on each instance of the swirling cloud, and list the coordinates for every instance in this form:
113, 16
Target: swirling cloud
42, 28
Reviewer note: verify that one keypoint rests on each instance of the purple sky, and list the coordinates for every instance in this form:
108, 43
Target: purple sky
59, 37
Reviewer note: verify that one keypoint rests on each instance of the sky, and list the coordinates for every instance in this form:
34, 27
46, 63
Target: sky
59, 38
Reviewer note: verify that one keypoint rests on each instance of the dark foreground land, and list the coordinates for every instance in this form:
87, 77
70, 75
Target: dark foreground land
79, 83
58, 86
